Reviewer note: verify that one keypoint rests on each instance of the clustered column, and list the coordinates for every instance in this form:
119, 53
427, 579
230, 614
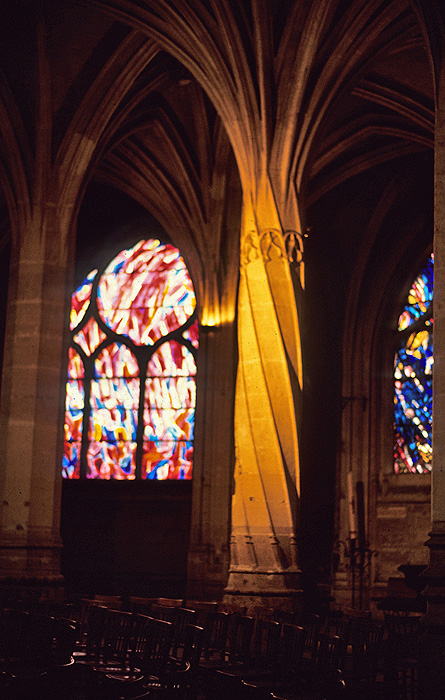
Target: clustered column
32, 406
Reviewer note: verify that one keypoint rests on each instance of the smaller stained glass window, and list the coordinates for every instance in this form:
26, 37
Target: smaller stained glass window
413, 378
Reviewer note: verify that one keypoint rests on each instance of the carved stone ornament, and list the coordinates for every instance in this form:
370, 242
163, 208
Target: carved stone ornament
249, 248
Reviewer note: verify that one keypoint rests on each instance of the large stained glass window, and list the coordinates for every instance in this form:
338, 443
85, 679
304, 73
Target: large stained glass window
413, 378
130, 394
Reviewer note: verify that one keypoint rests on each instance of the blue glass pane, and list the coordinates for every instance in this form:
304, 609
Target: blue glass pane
413, 381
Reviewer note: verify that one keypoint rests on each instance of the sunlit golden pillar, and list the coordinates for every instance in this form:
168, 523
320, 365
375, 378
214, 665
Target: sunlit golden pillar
264, 560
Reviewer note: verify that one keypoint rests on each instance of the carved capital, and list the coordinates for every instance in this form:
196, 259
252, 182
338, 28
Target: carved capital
273, 244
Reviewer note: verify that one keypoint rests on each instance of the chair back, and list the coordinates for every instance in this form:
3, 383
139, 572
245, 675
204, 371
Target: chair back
117, 637
266, 645
216, 632
164, 612
193, 641
173, 602
292, 650
240, 638
183, 619
156, 651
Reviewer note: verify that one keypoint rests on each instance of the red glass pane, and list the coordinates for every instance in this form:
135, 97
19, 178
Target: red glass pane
172, 360
170, 393
167, 459
74, 410
80, 300
75, 365
192, 334
108, 460
71, 460
116, 361
90, 337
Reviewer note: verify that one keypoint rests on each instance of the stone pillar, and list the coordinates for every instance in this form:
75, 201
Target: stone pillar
213, 464
432, 645
32, 409
264, 562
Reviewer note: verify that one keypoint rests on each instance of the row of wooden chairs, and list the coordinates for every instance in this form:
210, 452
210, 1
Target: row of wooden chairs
274, 652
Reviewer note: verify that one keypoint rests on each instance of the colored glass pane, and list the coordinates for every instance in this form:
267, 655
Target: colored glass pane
74, 410
90, 337
413, 381
80, 300
75, 365
116, 361
167, 459
169, 424
172, 360
114, 406
191, 334
71, 460
420, 296
170, 393
108, 460
146, 292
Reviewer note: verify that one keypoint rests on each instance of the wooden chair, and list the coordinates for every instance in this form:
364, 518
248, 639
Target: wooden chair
88, 648
240, 636
117, 641
401, 654
285, 675
182, 674
183, 619
148, 660
113, 601
164, 612
327, 665
260, 663
173, 602
140, 605
216, 633
203, 608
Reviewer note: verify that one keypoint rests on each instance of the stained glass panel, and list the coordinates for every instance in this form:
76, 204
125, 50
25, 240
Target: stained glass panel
90, 337
146, 292
116, 361
75, 365
420, 296
413, 381
172, 360
167, 459
114, 406
170, 393
81, 300
169, 424
192, 334
108, 460
74, 410
71, 460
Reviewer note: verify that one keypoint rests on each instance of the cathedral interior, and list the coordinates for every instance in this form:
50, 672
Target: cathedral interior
293, 152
